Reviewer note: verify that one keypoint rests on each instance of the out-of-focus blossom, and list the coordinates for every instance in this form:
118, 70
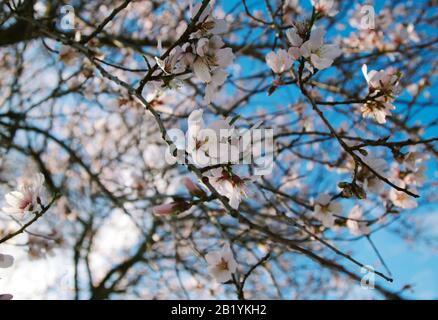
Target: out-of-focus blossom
171, 64
229, 185
209, 25
415, 169
193, 188
6, 261
279, 61
221, 264
364, 40
374, 184
370, 181
292, 5
218, 78
416, 177
67, 55
167, 208
385, 82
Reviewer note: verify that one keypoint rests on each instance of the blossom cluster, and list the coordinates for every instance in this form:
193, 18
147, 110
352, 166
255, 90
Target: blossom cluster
411, 172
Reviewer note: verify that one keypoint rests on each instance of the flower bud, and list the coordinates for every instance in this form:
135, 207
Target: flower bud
6, 260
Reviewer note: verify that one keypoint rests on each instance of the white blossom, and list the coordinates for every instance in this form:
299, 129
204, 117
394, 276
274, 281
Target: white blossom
370, 181
221, 264
415, 173
6, 260
204, 54
377, 164
197, 143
